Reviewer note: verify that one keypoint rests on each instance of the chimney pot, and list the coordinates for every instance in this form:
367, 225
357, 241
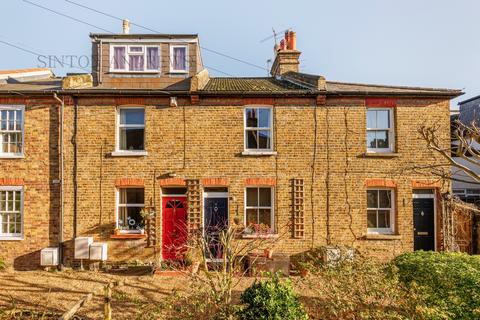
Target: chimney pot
126, 26
292, 37
287, 56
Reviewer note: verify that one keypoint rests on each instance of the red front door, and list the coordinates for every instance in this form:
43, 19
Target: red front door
174, 227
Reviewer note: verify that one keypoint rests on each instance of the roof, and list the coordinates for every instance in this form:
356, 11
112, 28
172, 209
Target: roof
469, 100
38, 86
252, 85
8, 72
142, 35
295, 85
374, 89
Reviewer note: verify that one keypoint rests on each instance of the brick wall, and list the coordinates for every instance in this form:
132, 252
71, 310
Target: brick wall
211, 147
35, 172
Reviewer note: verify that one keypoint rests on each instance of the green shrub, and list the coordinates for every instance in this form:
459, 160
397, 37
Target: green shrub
361, 289
3, 264
450, 282
271, 300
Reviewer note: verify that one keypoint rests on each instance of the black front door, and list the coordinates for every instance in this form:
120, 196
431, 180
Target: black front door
215, 221
424, 224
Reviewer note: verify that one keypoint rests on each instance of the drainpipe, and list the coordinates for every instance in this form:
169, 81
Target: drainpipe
75, 165
61, 169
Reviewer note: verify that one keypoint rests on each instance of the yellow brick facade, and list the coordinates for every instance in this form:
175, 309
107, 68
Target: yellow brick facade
206, 141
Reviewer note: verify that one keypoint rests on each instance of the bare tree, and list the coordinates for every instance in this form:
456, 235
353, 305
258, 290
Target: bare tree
462, 164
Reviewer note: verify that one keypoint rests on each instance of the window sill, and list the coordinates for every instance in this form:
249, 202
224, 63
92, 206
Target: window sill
129, 153
11, 238
381, 154
260, 236
259, 153
12, 156
178, 72
128, 236
374, 236
134, 72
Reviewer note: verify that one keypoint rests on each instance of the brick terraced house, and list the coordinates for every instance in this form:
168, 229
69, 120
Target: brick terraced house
149, 146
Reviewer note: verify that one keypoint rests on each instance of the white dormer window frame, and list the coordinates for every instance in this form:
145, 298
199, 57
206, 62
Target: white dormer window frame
172, 65
129, 50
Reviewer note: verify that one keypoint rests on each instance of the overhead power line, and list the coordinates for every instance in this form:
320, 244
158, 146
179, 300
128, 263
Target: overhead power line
35, 53
66, 16
103, 29
158, 32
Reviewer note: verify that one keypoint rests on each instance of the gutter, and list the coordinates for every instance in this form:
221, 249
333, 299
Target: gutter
62, 184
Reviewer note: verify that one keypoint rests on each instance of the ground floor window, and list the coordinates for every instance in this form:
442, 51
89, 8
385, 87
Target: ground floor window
259, 210
11, 212
380, 211
131, 202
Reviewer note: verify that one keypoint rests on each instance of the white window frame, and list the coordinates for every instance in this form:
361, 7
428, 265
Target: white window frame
391, 131
134, 126
17, 236
20, 108
272, 206
246, 129
127, 60
132, 205
187, 64
390, 230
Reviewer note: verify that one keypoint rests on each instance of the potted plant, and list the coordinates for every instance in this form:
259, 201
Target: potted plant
268, 253
193, 258
304, 269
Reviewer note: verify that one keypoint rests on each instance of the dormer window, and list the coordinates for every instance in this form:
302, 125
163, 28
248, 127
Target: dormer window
135, 58
178, 59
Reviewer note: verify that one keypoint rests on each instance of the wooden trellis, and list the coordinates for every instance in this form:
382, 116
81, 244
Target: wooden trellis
298, 208
194, 199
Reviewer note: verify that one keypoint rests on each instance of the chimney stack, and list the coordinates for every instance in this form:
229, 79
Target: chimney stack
286, 55
126, 26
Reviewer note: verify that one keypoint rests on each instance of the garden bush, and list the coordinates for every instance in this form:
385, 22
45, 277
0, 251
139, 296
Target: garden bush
361, 289
449, 282
271, 300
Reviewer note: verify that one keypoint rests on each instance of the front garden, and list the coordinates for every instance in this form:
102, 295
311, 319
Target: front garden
419, 285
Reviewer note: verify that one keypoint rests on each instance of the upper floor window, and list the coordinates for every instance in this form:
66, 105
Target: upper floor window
380, 211
130, 203
11, 131
258, 129
135, 58
380, 136
178, 59
11, 212
131, 129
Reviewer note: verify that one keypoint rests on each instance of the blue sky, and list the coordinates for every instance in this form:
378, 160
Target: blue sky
431, 43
